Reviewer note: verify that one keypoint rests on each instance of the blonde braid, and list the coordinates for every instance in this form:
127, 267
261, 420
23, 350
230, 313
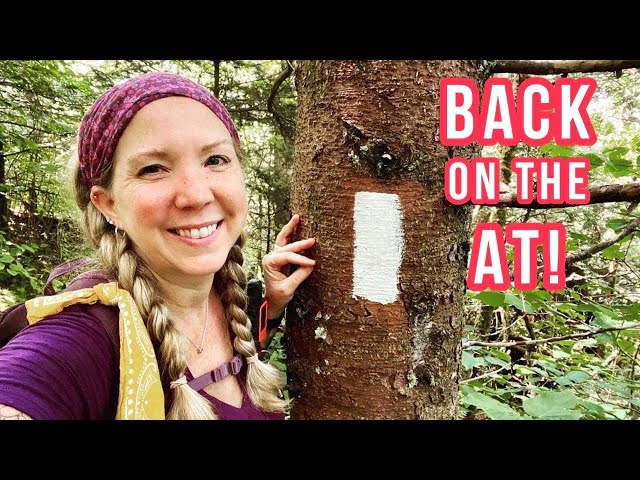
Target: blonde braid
116, 255
264, 381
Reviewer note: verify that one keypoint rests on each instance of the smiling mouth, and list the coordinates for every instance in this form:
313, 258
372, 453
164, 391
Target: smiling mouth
201, 232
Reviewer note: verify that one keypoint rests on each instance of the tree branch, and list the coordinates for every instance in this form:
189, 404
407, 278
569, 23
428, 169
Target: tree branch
629, 192
23, 125
284, 74
548, 340
40, 147
559, 67
589, 252
19, 152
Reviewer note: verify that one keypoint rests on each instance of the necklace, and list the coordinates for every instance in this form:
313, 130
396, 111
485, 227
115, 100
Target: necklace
200, 348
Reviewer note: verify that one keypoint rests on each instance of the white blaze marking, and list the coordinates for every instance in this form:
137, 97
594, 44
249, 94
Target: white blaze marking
378, 244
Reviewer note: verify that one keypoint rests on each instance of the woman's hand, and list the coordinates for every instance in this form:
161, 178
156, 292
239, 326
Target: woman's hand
279, 285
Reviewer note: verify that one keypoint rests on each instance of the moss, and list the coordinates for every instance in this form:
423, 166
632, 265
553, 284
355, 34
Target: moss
412, 379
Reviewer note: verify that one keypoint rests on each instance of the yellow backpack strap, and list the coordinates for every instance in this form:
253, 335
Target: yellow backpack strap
140, 395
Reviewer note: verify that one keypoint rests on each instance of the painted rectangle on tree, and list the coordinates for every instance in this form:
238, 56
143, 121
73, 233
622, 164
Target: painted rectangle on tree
378, 246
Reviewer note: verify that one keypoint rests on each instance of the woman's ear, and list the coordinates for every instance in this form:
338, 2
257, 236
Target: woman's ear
103, 201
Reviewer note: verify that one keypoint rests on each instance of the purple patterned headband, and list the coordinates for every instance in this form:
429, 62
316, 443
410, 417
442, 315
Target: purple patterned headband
108, 117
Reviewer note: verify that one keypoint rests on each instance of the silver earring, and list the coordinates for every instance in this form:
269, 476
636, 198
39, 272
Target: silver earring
109, 221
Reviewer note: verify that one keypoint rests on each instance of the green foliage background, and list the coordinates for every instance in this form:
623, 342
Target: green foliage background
563, 376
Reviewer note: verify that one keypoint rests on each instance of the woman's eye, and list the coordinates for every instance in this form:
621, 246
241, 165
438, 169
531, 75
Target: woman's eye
216, 160
149, 170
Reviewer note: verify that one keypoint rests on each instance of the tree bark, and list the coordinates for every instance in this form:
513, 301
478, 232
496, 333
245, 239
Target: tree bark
558, 67
366, 129
629, 192
216, 78
4, 205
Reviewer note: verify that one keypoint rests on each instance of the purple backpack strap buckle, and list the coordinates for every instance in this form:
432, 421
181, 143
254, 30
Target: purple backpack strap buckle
223, 371
236, 364
220, 372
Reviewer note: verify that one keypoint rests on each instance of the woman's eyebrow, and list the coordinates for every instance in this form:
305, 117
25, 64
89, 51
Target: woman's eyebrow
162, 154
217, 143
153, 152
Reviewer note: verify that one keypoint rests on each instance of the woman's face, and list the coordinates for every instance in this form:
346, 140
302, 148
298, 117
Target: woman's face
178, 189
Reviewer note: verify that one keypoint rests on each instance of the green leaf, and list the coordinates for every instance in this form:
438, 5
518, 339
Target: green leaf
618, 413
6, 259
489, 297
556, 150
616, 155
561, 151
572, 246
468, 360
538, 294
537, 298
280, 366
605, 338
500, 354
593, 408
553, 406
612, 252
495, 361
579, 236
587, 342
524, 371
562, 381
494, 409
559, 354
540, 371
574, 376
518, 303
617, 224
546, 148
617, 164
594, 159
30, 248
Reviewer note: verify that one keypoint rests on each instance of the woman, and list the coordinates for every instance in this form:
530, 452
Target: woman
160, 183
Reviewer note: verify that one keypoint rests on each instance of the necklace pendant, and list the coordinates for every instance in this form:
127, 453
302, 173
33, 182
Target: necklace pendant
199, 350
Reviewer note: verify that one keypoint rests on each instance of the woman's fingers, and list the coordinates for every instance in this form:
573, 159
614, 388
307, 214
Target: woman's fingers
282, 293
287, 231
299, 276
298, 246
285, 257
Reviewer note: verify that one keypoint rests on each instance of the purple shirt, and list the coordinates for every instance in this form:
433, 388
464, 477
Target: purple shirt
66, 368
247, 411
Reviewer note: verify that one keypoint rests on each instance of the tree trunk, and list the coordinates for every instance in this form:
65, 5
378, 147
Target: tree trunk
4, 205
375, 332
216, 78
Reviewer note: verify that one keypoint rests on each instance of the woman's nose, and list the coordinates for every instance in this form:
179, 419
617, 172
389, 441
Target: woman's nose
194, 188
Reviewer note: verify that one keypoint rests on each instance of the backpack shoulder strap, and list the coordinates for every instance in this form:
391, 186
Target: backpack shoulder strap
14, 318
108, 316
63, 269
